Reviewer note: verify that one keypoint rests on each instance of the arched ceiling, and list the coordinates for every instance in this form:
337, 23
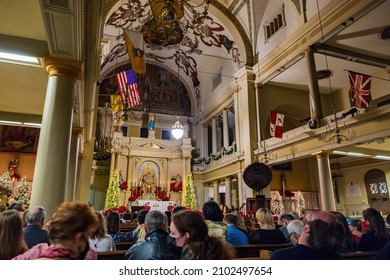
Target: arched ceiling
218, 44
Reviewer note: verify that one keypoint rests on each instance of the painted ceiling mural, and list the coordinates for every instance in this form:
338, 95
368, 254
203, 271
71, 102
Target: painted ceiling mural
160, 91
201, 33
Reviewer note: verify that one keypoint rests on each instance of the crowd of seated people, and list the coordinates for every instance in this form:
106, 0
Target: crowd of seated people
76, 231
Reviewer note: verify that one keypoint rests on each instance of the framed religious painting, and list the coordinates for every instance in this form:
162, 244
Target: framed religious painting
18, 139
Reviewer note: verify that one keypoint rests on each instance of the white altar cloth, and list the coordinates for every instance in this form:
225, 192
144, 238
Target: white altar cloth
156, 204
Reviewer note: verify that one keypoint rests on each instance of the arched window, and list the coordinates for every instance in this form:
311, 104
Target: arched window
377, 190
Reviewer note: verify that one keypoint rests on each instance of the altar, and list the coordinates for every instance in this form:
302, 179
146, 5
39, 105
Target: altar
156, 204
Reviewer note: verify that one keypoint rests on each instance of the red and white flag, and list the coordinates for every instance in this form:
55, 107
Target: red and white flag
128, 89
360, 89
276, 124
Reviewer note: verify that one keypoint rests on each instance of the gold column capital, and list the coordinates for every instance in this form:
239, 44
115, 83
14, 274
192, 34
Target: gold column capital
322, 154
63, 67
205, 125
258, 85
77, 131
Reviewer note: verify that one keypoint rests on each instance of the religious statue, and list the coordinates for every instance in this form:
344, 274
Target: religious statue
13, 169
148, 180
151, 121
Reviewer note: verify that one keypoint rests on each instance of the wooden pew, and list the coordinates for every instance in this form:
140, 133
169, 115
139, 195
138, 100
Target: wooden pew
368, 255
360, 255
126, 227
123, 245
112, 255
253, 250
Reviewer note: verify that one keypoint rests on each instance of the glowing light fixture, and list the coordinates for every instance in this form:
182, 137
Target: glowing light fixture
177, 129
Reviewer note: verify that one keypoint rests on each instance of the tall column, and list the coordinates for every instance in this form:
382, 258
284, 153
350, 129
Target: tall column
73, 166
325, 178
130, 163
216, 191
225, 127
237, 121
205, 140
228, 192
241, 198
214, 134
314, 91
259, 124
168, 176
51, 166
206, 192
112, 164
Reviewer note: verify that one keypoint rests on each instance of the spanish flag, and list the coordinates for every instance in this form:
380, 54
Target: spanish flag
135, 49
116, 102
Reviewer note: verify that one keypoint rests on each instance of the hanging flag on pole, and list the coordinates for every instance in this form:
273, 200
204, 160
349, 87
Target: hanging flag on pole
360, 92
116, 102
276, 124
135, 49
128, 89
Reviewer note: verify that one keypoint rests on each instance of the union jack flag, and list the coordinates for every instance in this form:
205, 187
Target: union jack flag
360, 91
128, 89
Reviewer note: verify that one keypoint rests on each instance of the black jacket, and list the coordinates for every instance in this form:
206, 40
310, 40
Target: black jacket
34, 235
158, 245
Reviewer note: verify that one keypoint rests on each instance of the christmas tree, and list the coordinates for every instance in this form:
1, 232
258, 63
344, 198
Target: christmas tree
277, 204
6, 181
113, 192
300, 203
23, 192
189, 195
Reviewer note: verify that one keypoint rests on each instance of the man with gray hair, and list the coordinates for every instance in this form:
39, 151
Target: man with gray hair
33, 232
158, 245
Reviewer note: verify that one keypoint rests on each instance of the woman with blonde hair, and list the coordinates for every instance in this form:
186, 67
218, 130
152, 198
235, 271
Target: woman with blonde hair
100, 241
11, 235
267, 233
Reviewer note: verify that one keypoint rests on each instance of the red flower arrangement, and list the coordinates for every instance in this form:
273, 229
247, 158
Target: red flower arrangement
133, 198
120, 209
123, 186
176, 186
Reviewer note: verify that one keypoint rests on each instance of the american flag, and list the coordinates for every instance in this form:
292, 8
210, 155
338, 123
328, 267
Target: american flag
128, 89
360, 89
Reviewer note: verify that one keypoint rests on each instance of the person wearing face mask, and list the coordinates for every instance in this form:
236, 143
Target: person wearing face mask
158, 245
70, 228
294, 229
192, 235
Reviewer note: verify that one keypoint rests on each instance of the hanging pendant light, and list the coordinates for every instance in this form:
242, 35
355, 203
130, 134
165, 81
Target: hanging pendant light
177, 129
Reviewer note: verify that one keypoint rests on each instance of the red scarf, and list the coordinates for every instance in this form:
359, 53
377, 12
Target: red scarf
58, 253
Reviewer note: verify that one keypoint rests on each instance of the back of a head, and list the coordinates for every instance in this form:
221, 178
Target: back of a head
113, 222
155, 219
295, 215
212, 212
295, 226
376, 223
141, 216
101, 228
286, 217
264, 217
71, 218
191, 222
326, 237
35, 215
349, 242
230, 219
11, 234
177, 209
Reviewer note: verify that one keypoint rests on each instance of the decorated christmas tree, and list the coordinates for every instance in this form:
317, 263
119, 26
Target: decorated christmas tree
189, 199
277, 204
6, 181
23, 192
113, 192
300, 203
